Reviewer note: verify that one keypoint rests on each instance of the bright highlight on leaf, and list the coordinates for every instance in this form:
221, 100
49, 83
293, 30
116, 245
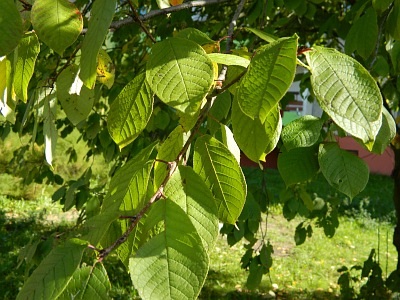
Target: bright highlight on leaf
269, 76
346, 92
180, 73
10, 27
58, 23
75, 98
130, 111
94, 38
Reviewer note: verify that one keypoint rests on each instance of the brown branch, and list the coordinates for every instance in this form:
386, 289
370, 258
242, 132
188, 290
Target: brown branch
172, 166
137, 19
224, 70
161, 12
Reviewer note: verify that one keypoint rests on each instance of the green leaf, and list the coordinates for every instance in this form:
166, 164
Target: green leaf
263, 35
300, 234
269, 76
343, 170
223, 175
346, 92
393, 21
103, 12
229, 59
49, 127
126, 195
229, 142
303, 132
10, 27
130, 111
255, 139
174, 263
168, 151
381, 5
256, 273
195, 35
58, 23
188, 190
7, 103
386, 133
219, 111
75, 98
363, 35
51, 277
180, 73
105, 69
298, 165
88, 283
28, 50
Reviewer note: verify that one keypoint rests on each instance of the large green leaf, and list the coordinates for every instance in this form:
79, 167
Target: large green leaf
188, 190
222, 174
363, 35
255, 139
302, 132
347, 92
75, 98
343, 170
219, 111
168, 151
10, 26
55, 271
194, 35
103, 12
130, 111
88, 283
28, 50
269, 76
180, 73
125, 196
298, 165
58, 23
174, 263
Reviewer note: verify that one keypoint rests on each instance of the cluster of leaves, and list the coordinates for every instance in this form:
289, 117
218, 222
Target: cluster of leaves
175, 180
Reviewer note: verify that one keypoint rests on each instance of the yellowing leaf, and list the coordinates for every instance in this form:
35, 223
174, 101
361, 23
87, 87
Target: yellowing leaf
211, 47
175, 2
105, 69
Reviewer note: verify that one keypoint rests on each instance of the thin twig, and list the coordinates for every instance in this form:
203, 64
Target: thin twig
137, 19
224, 70
378, 41
160, 12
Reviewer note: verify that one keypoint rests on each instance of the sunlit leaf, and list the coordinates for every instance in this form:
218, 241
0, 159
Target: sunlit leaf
174, 263
180, 73
130, 111
222, 173
49, 127
346, 92
302, 132
229, 59
75, 98
51, 277
255, 139
88, 283
343, 170
190, 192
28, 50
268, 78
58, 23
103, 10
105, 69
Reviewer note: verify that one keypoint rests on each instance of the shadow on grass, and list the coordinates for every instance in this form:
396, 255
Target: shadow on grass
216, 282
